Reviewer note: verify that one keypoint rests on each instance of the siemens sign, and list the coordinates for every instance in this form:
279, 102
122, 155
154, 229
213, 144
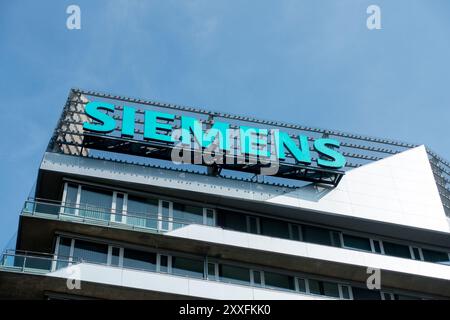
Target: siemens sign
171, 130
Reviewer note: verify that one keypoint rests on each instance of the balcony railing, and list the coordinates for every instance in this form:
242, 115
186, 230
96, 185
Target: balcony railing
33, 262
42, 263
104, 216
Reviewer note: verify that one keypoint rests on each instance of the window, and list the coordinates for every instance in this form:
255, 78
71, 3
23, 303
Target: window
324, 288
365, 294
387, 296
252, 224
301, 285
163, 263
377, 246
336, 239
209, 217
435, 256
165, 216
71, 198
355, 242
275, 228
63, 252
139, 260
232, 221
316, 235
186, 214
345, 292
211, 271
118, 214
142, 212
115, 256
95, 203
257, 278
234, 274
187, 267
295, 233
90, 251
279, 281
416, 253
396, 250
404, 297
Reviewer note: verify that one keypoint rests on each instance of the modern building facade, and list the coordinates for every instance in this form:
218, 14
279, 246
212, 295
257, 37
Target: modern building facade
111, 217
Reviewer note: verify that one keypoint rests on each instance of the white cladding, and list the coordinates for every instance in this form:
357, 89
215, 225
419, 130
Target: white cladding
172, 284
399, 189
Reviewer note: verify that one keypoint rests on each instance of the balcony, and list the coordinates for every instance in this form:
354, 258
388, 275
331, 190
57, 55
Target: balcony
45, 265
95, 215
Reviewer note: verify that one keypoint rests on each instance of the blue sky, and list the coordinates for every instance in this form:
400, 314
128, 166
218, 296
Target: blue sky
310, 62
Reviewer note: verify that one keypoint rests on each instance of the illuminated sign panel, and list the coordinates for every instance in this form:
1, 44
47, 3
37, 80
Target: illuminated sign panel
262, 148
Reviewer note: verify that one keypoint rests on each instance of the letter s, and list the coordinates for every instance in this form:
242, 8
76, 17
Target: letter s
107, 123
322, 147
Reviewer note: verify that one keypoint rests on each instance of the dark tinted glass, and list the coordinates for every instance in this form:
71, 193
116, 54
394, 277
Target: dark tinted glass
139, 260
357, 242
396, 250
142, 212
71, 198
365, 294
232, 221
435, 256
90, 251
234, 274
279, 281
316, 235
187, 267
274, 228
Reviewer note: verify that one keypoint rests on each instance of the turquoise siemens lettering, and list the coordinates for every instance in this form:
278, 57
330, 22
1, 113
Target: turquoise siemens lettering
159, 126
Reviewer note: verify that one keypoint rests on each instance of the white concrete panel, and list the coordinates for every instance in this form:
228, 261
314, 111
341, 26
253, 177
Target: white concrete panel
166, 283
314, 251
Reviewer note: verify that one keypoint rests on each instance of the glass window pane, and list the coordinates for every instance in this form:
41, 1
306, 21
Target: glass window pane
256, 278
377, 246
416, 253
63, 252
301, 285
279, 281
234, 274
404, 297
314, 286
330, 289
186, 214
163, 263
435, 256
139, 260
165, 215
71, 198
119, 208
209, 217
345, 292
187, 267
142, 212
365, 294
294, 232
396, 250
95, 203
211, 270
274, 228
316, 235
336, 239
90, 251
357, 242
115, 256
232, 221
252, 225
